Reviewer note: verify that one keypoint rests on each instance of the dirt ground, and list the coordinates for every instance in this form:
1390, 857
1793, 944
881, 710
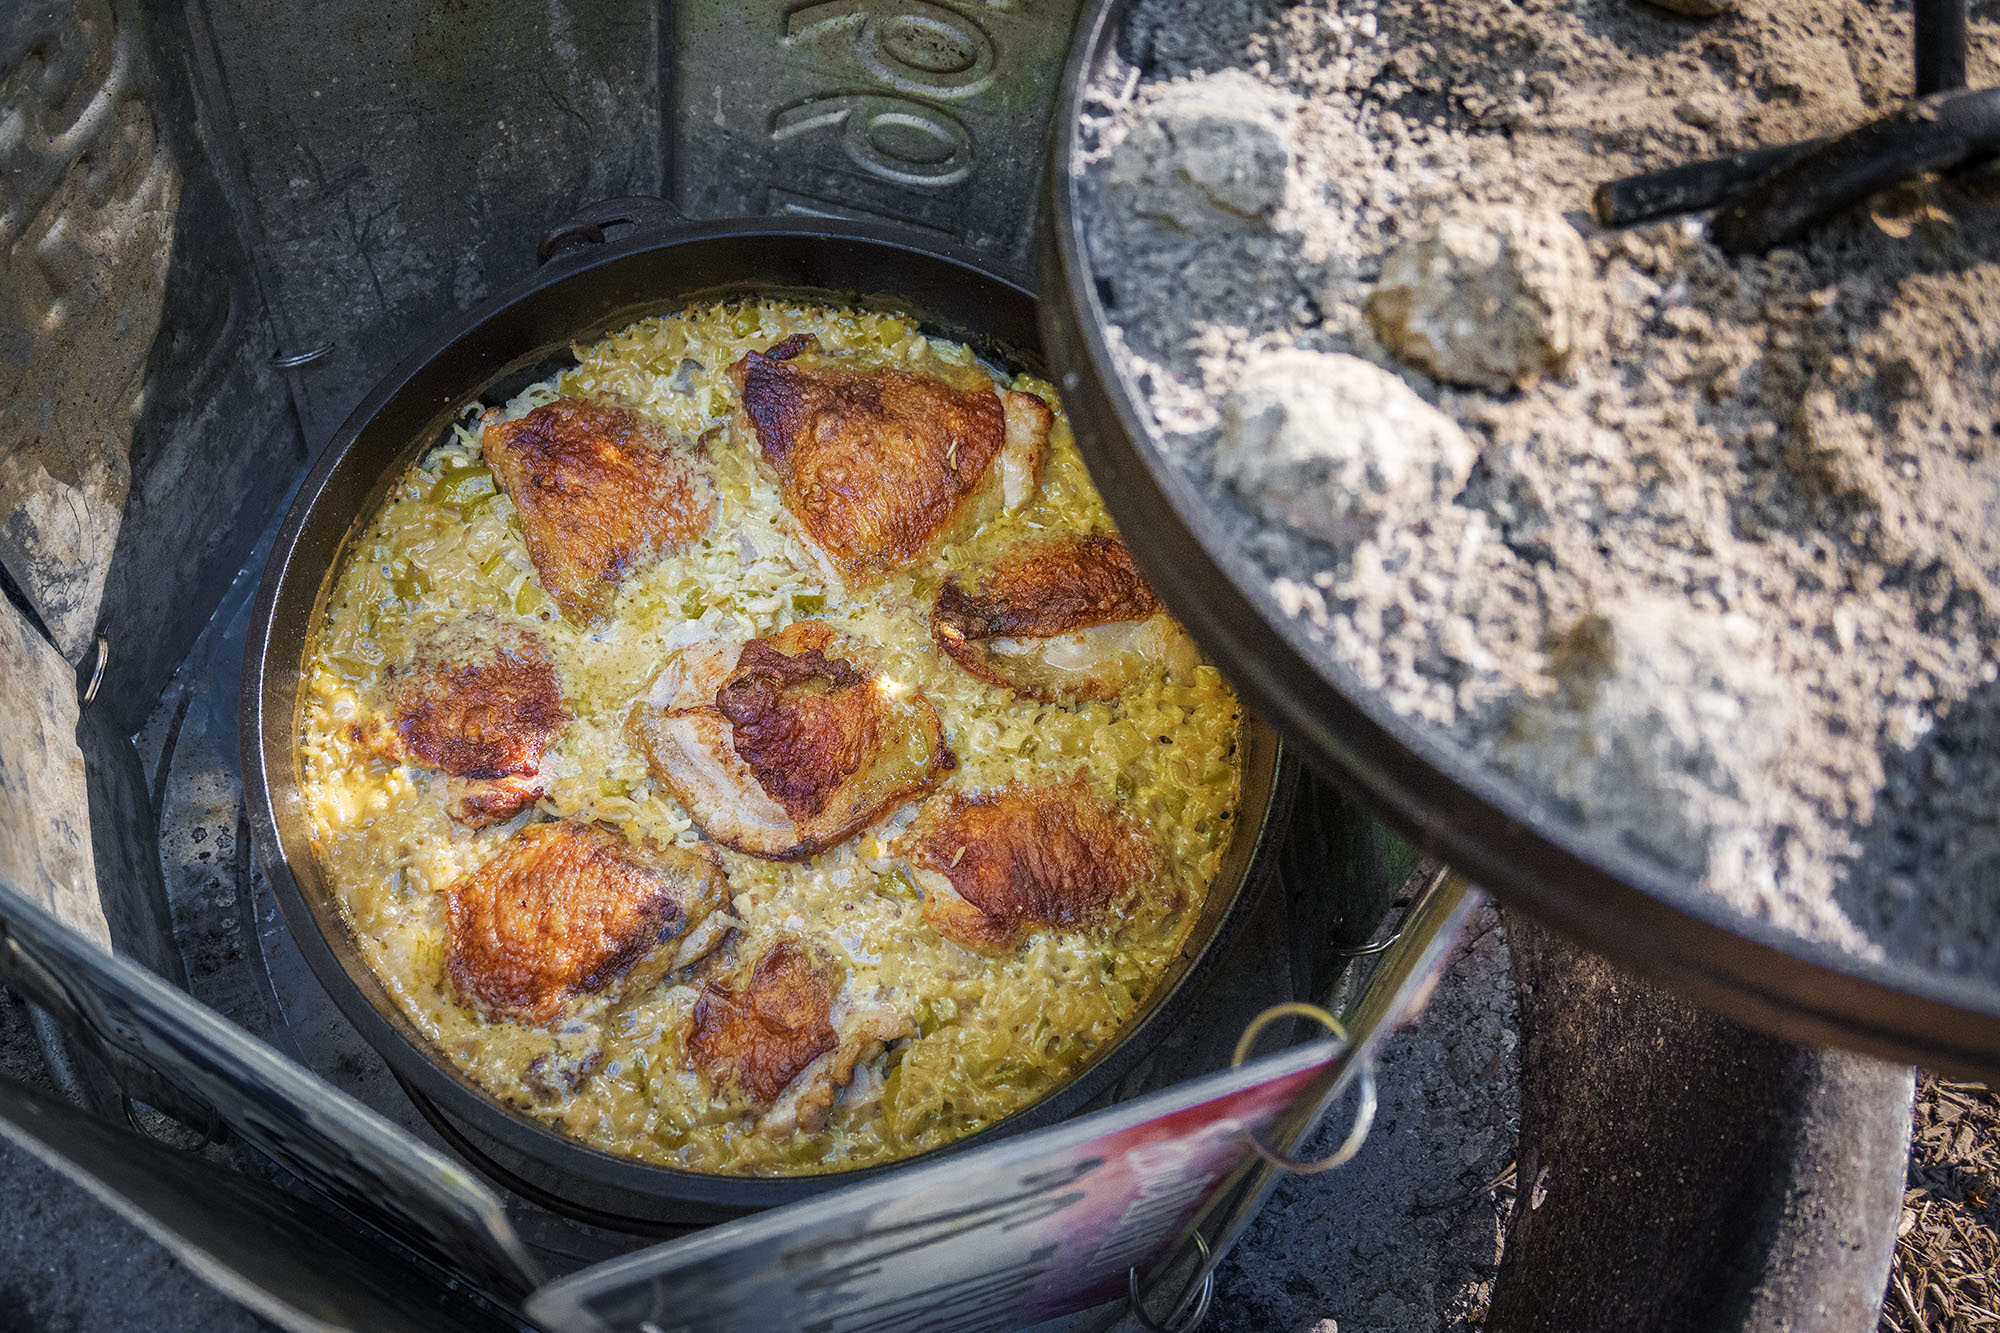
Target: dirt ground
1946, 1275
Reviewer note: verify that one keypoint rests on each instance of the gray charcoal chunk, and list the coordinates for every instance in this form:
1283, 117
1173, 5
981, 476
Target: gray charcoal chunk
1664, 719
1493, 297
1331, 445
1212, 155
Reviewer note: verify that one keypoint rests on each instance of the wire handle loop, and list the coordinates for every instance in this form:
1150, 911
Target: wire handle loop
1194, 1317
1364, 1115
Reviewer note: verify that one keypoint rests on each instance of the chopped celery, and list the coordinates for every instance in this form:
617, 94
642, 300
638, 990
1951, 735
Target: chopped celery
463, 486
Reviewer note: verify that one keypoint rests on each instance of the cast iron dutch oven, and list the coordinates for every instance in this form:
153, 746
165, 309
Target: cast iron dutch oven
1532, 854
498, 349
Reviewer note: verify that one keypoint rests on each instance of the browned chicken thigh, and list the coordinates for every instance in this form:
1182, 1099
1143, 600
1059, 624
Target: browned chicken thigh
992, 865
1064, 619
602, 494
785, 746
878, 467
786, 1037
480, 705
757, 1032
566, 909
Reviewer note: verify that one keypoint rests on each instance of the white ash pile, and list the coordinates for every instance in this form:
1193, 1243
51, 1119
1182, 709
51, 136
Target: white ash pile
1351, 274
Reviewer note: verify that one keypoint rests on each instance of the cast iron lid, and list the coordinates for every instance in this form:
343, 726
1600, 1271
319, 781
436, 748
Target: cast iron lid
1586, 883
500, 347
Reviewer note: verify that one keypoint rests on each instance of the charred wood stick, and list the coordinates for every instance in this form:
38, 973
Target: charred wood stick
1694, 188
1928, 134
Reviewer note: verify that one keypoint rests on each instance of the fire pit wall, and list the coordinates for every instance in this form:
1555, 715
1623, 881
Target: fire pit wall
227, 220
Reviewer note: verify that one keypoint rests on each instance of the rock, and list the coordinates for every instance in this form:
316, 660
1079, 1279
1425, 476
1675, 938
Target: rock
1331, 445
44, 807
1211, 155
1664, 716
83, 274
1492, 297
1697, 9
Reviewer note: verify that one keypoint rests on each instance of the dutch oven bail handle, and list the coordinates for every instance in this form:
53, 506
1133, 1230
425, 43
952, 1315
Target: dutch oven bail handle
585, 227
1192, 1307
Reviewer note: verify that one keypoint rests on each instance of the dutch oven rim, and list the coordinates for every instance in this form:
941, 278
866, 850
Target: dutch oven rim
664, 1195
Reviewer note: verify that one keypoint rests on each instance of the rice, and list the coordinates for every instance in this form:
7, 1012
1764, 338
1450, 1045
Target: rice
994, 1034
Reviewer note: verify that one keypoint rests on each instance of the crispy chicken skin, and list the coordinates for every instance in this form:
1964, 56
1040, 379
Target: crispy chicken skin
861, 1030
994, 864
1064, 619
787, 1037
787, 745
602, 494
566, 908
758, 1033
480, 704
877, 467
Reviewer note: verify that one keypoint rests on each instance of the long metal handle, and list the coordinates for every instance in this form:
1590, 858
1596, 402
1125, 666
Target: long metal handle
1940, 44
